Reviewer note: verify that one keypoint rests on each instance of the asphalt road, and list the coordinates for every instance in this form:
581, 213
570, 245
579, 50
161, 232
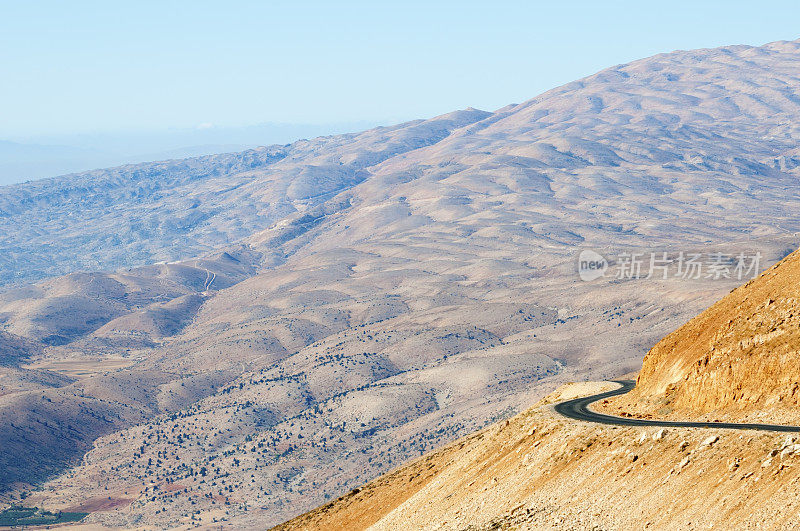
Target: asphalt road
578, 409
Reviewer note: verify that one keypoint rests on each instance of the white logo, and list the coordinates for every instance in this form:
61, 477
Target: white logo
591, 265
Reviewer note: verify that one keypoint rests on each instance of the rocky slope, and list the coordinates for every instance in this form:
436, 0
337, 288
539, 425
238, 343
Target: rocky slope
538, 471
406, 304
738, 359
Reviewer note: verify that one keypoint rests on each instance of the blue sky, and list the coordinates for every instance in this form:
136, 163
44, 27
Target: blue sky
76, 67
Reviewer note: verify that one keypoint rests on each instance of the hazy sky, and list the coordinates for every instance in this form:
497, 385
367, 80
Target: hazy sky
73, 67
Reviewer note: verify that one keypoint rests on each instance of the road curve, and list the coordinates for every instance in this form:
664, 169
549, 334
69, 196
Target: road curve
578, 409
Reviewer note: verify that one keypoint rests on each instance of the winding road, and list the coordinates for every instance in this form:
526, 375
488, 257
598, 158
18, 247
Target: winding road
578, 409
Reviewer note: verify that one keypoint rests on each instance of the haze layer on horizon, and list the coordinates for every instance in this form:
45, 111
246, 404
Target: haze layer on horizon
83, 78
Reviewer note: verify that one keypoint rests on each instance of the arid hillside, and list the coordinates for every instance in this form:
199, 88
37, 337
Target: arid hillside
739, 358
387, 292
540, 471
537, 470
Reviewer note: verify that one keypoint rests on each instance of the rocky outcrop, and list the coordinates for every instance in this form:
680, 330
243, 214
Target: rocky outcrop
740, 355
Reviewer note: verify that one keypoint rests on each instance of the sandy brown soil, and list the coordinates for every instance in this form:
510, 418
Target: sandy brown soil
539, 471
739, 359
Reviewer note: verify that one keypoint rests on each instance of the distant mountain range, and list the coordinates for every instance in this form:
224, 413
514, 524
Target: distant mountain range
50, 156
